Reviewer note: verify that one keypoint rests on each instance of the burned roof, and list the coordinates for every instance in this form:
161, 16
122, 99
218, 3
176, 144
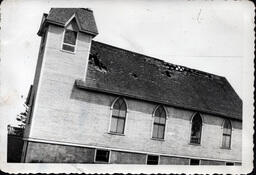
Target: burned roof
121, 72
60, 16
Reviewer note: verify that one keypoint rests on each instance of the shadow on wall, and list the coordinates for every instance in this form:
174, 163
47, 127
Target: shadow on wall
14, 144
91, 97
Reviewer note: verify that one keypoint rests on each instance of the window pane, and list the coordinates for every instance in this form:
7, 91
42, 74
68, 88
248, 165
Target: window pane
119, 112
194, 162
115, 112
120, 125
227, 124
224, 141
156, 119
227, 141
123, 106
163, 115
229, 163
68, 48
70, 37
102, 155
155, 130
196, 129
116, 105
160, 132
122, 113
227, 131
157, 113
152, 160
113, 124
162, 120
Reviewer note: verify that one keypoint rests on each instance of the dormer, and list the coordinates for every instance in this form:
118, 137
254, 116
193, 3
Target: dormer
70, 35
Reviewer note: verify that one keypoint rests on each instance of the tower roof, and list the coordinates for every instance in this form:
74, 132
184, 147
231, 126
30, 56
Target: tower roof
60, 16
121, 72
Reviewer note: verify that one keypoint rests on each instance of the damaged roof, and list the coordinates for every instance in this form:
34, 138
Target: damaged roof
121, 72
60, 16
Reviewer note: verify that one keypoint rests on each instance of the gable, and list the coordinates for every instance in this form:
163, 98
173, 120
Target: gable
72, 25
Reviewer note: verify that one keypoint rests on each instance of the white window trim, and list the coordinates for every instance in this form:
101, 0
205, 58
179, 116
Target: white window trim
222, 129
62, 43
63, 35
110, 117
152, 123
202, 129
95, 153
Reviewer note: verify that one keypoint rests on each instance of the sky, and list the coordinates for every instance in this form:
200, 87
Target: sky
212, 36
203, 35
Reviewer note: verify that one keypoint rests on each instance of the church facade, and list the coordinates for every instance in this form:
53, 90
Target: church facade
95, 103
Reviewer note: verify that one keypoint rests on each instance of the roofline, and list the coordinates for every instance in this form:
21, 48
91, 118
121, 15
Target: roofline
63, 25
81, 85
233, 90
47, 21
157, 59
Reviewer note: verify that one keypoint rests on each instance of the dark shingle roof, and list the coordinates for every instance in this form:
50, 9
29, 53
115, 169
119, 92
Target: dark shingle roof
60, 16
126, 73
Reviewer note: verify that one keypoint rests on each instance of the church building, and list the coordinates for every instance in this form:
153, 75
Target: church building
91, 102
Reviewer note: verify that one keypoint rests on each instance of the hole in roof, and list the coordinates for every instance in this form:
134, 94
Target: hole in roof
167, 73
134, 75
96, 61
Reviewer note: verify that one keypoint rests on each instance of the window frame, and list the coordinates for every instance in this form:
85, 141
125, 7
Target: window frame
102, 162
191, 125
73, 17
111, 115
153, 123
63, 43
158, 159
194, 159
229, 135
231, 164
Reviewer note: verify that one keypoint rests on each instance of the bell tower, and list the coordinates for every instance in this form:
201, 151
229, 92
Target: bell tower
66, 36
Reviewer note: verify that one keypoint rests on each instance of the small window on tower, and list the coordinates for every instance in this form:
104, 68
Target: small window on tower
69, 41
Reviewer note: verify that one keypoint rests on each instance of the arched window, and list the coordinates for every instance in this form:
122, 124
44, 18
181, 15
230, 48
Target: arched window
70, 36
118, 116
226, 139
196, 129
159, 123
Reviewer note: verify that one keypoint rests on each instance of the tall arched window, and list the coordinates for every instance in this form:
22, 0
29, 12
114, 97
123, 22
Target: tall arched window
159, 123
226, 138
118, 116
196, 129
70, 36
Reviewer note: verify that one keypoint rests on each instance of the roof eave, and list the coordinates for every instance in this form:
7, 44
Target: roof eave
47, 21
82, 85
